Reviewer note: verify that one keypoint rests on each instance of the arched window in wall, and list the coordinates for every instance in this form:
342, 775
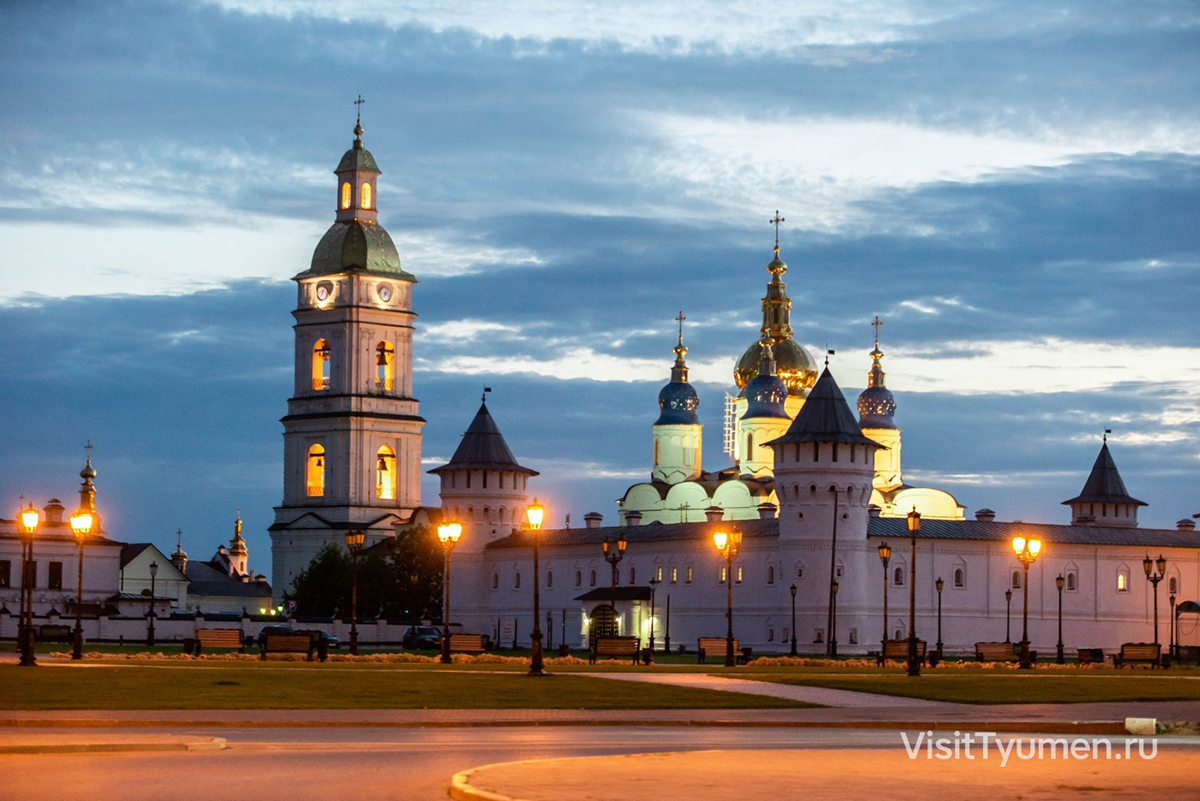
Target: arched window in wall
385, 474
346, 195
1173, 585
1016, 579
578, 578
959, 578
770, 574
898, 577
549, 579
592, 579
1072, 582
316, 471
320, 364
385, 367
366, 195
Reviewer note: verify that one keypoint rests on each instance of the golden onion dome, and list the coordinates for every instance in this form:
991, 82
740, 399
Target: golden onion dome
793, 365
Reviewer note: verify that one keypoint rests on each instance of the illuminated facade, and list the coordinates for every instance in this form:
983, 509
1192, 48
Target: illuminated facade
352, 434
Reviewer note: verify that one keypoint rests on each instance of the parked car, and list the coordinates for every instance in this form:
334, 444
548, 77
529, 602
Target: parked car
274, 628
328, 639
422, 637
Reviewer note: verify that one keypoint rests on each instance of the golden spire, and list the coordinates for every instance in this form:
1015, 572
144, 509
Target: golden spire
679, 371
875, 378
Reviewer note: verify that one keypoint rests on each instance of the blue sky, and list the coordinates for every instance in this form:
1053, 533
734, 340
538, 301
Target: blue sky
1012, 187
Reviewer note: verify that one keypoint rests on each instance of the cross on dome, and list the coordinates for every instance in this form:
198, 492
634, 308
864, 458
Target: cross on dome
776, 220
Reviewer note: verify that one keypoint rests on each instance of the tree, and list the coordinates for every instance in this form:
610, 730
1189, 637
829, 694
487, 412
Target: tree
399, 578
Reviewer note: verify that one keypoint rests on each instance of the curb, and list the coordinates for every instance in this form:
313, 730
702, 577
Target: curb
1008, 726
196, 744
461, 789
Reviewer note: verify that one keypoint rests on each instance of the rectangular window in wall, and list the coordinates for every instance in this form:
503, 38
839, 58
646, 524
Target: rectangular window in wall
737, 576
722, 574
688, 579
54, 578
658, 573
5, 573
674, 574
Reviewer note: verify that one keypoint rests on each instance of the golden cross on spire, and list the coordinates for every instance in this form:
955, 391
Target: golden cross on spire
358, 103
876, 325
776, 221
680, 320
88, 448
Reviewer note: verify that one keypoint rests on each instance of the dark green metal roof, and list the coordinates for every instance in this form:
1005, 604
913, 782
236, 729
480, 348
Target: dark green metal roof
356, 246
483, 448
359, 159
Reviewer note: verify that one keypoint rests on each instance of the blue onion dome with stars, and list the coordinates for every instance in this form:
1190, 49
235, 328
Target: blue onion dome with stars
766, 392
876, 404
678, 401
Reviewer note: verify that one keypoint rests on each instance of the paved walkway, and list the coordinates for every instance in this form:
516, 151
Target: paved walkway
792, 692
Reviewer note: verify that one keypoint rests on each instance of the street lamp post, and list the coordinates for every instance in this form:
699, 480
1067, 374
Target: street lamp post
1156, 570
914, 528
885, 556
833, 605
939, 584
354, 544
1059, 582
535, 514
728, 544
27, 523
1174, 623
654, 581
614, 553
1027, 550
448, 534
793, 590
1007, 615
150, 629
81, 525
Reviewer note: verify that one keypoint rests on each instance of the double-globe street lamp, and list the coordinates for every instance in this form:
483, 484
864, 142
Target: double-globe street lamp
1156, 571
728, 544
1027, 550
535, 513
81, 525
27, 523
354, 544
448, 534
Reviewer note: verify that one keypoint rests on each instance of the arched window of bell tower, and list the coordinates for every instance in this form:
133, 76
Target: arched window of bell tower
385, 367
366, 194
316, 471
385, 473
346, 195
320, 364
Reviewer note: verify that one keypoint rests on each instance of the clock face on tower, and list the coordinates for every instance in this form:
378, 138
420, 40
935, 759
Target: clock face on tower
322, 292
385, 293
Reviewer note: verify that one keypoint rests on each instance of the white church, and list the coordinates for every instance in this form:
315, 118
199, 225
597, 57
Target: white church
815, 491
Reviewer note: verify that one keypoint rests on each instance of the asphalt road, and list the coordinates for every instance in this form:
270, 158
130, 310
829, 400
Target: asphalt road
365, 763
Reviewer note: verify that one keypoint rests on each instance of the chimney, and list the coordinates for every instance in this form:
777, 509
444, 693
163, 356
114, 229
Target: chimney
633, 518
767, 510
714, 514
54, 511
593, 519
1186, 525
985, 515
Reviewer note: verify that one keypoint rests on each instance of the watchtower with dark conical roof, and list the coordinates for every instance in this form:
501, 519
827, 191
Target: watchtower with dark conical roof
1104, 500
483, 486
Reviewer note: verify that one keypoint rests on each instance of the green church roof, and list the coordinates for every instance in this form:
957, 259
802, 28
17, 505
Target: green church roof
356, 246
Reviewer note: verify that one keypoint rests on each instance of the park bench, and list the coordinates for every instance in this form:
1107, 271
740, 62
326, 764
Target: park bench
614, 646
217, 638
998, 652
1091, 656
717, 646
467, 642
288, 644
1147, 653
897, 650
51, 632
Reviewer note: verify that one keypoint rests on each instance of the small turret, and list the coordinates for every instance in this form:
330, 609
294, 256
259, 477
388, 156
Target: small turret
1104, 500
876, 417
765, 417
179, 558
239, 554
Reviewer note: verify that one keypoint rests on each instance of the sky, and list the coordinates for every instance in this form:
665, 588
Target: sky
1012, 187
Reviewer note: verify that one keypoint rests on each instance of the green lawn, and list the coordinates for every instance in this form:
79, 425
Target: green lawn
234, 685
995, 687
